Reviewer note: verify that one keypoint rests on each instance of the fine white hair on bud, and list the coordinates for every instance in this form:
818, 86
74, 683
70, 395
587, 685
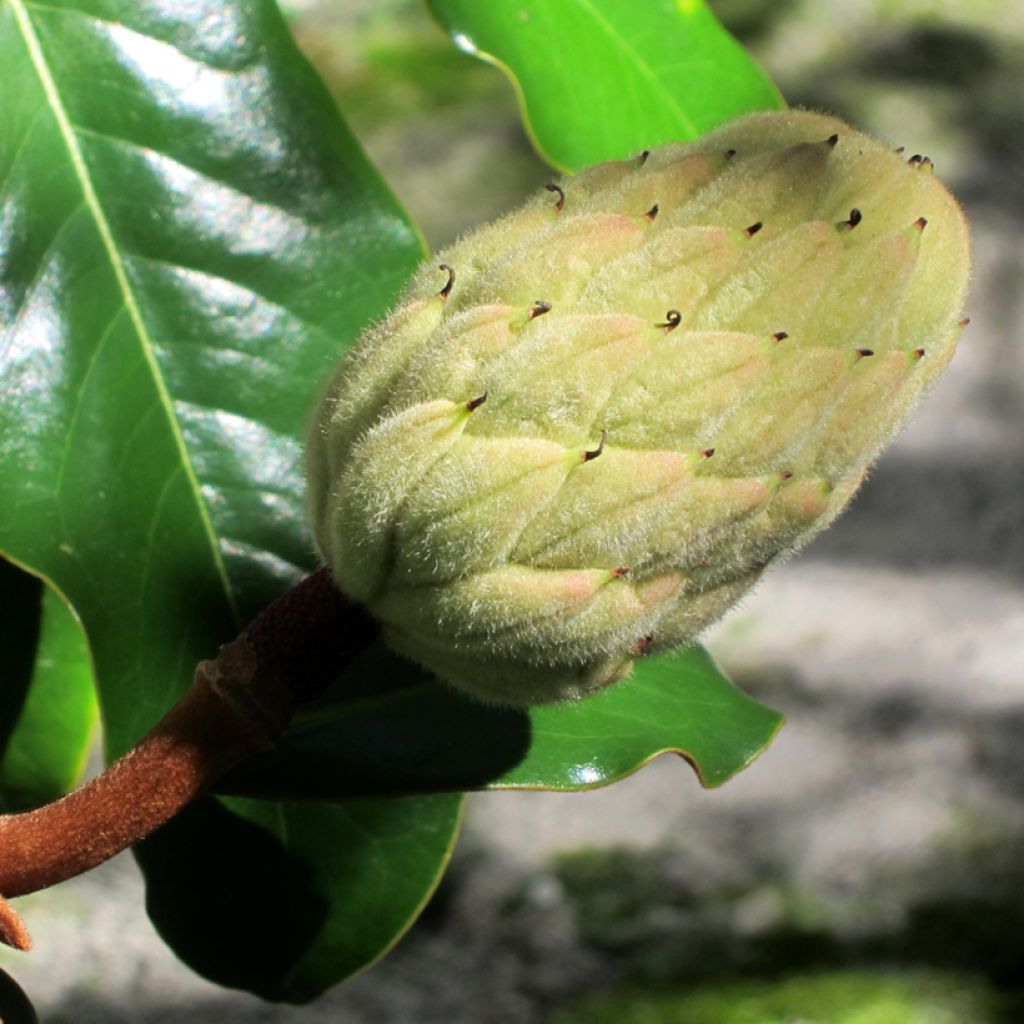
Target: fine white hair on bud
587, 429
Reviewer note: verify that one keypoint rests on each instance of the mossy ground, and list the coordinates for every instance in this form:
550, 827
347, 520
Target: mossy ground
834, 998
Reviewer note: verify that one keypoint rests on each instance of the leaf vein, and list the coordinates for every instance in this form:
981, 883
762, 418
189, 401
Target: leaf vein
92, 202
37, 276
641, 65
20, 148
69, 433
262, 296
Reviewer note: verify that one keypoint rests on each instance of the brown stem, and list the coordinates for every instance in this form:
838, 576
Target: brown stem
238, 704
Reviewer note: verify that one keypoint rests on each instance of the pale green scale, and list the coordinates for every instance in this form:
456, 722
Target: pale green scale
557, 379
444, 527
606, 510
777, 286
687, 385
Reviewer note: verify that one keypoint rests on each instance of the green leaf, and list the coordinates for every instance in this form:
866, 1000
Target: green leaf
603, 79
47, 701
189, 238
388, 729
333, 882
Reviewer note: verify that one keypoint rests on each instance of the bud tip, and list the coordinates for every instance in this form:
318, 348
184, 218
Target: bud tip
447, 289
640, 647
854, 219
552, 187
593, 453
672, 319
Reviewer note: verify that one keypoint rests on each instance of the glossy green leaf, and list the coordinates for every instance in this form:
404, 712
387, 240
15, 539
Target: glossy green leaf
603, 79
47, 701
276, 878
389, 729
188, 237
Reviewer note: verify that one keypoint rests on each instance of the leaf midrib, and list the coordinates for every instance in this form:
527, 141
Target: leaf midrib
622, 44
92, 203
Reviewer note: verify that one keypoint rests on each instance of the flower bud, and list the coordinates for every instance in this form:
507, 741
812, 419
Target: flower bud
587, 434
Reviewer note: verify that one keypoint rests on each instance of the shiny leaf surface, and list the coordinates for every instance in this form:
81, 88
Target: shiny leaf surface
188, 238
47, 702
388, 729
603, 79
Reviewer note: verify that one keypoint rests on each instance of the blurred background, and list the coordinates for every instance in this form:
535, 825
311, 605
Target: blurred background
868, 868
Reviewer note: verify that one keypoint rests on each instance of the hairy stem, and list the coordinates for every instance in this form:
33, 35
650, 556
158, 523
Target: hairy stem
239, 703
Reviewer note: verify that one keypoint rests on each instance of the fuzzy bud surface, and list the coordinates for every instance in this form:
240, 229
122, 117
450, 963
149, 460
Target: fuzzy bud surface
588, 433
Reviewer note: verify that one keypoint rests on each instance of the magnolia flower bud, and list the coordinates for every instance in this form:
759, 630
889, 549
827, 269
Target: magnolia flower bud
586, 435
